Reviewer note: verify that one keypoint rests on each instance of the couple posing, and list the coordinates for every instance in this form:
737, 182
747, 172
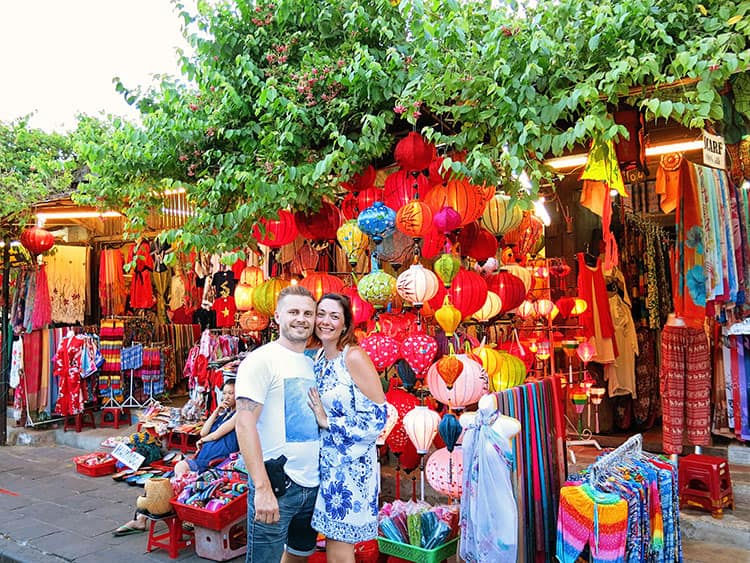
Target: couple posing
323, 416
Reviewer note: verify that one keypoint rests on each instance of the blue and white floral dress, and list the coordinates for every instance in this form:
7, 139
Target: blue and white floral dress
347, 505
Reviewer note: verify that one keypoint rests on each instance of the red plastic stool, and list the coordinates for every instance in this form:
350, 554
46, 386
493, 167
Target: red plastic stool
115, 414
705, 483
173, 539
80, 421
182, 441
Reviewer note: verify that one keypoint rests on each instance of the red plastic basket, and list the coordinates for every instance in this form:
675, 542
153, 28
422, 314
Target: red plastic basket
228, 513
95, 469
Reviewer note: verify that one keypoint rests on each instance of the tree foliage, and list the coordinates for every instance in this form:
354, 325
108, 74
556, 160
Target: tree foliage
283, 101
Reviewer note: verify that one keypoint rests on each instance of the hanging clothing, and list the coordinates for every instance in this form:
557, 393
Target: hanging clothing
489, 514
669, 175
42, 315
346, 508
161, 284
646, 407
596, 320
620, 374
685, 387
141, 292
68, 364
16, 362
112, 290
67, 275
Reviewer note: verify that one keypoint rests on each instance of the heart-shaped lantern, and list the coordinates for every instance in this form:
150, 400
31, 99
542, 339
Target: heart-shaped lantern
383, 350
419, 351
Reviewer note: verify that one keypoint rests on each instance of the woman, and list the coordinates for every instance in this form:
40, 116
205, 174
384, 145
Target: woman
349, 405
218, 440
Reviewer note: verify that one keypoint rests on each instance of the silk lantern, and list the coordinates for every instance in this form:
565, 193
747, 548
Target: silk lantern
436, 173
448, 317
367, 198
450, 430
383, 350
396, 248
413, 152
404, 402
482, 246
524, 274
37, 240
500, 216
490, 360
526, 235
419, 351
406, 374
377, 288
544, 307
414, 219
417, 285
446, 220
364, 180
511, 371
449, 367
352, 240
252, 276
279, 232
319, 225
266, 295
461, 195
468, 292
254, 321
390, 421
243, 297
446, 268
444, 471
586, 352
421, 425
362, 311
349, 207
396, 325
377, 221
402, 186
526, 310
509, 288
466, 390
492, 307
320, 283
580, 307
433, 243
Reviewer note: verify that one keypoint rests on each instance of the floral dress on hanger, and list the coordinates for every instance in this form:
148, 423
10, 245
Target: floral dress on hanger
347, 505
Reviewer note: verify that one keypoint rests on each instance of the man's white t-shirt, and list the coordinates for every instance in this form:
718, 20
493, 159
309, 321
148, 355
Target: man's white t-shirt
280, 379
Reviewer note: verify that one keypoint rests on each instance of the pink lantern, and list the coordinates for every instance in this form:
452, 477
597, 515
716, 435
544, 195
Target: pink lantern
383, 350
421, 425
544, 307
470, 385
585, 352
390, 421
446, 220
419, 351
445, 470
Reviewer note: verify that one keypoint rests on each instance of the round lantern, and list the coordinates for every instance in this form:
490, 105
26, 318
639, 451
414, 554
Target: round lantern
320, 283
377, 288
390, 421
414, 219
445, 471
266, 295
450, 430
436, 174
461, 195
468, 292
421, 425
511, 371
448, 317
367, 198
544, 307
363, 180
404, 402
352, 240
252, 276
509, 287
526, 310
396, 325
377, 221
37, 240
490, 358
253, 321
362, 311
449, 368
319, 225
446, 268
349, 207
402, 186
243, 297
466, 389
586, 352
383, 350
413, 152
446, 220
499, 216
417, 285
580, 307
478, 243
279, 231
492, 307
419, 351
526, 235
433, 243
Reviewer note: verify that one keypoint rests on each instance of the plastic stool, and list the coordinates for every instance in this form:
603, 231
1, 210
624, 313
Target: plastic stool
705, 483
173, 539
182, 441
80, 421
116, 413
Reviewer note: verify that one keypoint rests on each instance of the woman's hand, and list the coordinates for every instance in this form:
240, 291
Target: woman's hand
317, 407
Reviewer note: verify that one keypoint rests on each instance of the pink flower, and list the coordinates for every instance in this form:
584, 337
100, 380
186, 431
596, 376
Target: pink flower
417, 114
399, 109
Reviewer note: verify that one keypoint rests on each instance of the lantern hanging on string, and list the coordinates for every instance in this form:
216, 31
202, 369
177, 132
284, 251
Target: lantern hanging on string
585, 352
446, 268
446, 220
468, 387
402, 186
243, 297
597, 395
252, 276
492, 307
511, 372
448, 317
37, 240
377, 288
450, 430
266, 295
278, 232
413, 152
449, 367
320, 283
417, 285
468, 292
526, 310
362, 311
482, 247
421, 425
396, 249
353, 241
367, 198
350, 207
390, 421
565, 306
377, 221
579, 398
490, 360
444, 471
461, 195
254, 321
383, 350
545, 308
319, 225
419, 351
509, 288
500, 216
436, 173
414, 219
363, 180
580, 307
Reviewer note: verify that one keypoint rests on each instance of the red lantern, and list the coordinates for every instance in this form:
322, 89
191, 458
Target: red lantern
468, 292
436, 174
366, 198
433, 243
320, 283
413, 152
37, 240
397, 326
419, 350
404, 402
526, 235
565, 305
477, 242
350, 207
401, 187
383, 350
461, 195
414, 219
509, 288
362, 311
279, 231
319, 225
364, 180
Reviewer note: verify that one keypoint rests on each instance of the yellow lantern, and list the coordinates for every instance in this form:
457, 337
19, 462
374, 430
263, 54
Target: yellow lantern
266, 295
448, 317
352, 240
511, 372
243, 297
490, 359
580, 307
498, 219
491, 308
252, 276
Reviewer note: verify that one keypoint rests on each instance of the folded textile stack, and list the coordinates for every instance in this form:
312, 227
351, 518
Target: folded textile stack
211, 491
418, 524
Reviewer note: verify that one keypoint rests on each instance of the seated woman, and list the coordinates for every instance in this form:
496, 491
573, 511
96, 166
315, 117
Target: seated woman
218, 440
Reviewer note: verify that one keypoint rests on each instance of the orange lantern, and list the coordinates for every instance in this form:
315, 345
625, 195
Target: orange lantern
414, 219
449, 367
252, 276
279, 231
243, 297
461, 195
253, 321
320, 283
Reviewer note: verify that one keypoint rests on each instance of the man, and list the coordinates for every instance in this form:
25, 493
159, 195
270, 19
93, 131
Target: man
273, 419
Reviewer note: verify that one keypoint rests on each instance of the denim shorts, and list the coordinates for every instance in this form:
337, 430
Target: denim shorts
265, 542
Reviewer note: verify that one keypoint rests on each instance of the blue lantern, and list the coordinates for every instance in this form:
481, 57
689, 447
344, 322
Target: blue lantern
450, 430
377, 221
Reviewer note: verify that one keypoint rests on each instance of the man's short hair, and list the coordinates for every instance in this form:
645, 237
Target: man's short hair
297, 289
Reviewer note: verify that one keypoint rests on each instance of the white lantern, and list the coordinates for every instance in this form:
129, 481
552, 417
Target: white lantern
390, 421
421, 424
417, 285
491, 308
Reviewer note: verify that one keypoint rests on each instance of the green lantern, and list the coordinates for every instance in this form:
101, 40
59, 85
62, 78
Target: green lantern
446, 267
377, 288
